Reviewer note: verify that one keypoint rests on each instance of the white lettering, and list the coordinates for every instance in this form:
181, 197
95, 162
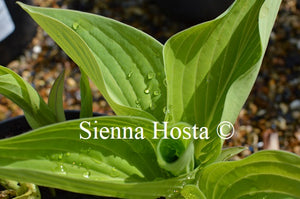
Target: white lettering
204, 134
106, 131
172, 133
139, 133
85, 130
155, 130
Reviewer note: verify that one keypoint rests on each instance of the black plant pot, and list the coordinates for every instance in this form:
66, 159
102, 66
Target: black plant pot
195, 11
17, 125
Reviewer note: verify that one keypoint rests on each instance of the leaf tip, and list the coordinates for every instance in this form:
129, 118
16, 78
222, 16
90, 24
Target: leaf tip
20, 4
24, 6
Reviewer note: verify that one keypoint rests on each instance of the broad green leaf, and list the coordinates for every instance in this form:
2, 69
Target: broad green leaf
86, 97
192, 192
211, 68
229, 153
20, 92
55, 156
55, 100
265, 174
125, 64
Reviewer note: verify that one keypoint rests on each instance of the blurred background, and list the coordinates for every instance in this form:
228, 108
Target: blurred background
270, 119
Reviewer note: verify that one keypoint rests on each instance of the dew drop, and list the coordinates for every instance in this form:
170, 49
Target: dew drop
60, 169
129, 74
168, 117
87, 174
165, 82
114, 172
156, 93
152, 106
60, 156
75, 26
173, 194
146, 91
137, 102
151, 75
167, 112
165, 109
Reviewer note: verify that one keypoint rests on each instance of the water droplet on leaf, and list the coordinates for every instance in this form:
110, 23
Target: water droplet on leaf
60, 169
156, 93
87, 174
151, 75
168, 117
129, 74
165, 109
146, 91
152, 106
75, 26
137, 102
165, 82
114, 172
60, 156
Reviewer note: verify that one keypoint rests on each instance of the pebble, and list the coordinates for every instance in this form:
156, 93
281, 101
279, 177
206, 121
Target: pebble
295, 105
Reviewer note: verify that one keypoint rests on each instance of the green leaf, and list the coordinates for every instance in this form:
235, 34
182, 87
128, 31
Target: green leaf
86, 97
175, 155
211, 68
124, 63
55, 100
265, 174
229, 153
20, 92
192, 192
55, 156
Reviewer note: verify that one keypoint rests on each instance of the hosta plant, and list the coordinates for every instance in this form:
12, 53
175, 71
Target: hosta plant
169, 100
